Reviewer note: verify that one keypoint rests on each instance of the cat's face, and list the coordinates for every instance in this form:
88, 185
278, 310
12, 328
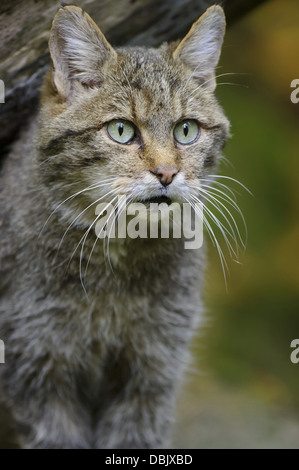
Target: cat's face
138, 122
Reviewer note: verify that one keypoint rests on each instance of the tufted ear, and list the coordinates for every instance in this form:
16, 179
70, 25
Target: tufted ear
200, 49
80, 52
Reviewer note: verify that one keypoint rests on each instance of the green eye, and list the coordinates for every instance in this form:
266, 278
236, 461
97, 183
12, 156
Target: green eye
121, 131
187, 131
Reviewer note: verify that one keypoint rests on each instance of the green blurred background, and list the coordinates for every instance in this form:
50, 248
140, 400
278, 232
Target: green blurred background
247, 391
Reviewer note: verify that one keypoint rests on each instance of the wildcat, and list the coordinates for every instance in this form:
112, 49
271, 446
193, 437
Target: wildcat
96, 364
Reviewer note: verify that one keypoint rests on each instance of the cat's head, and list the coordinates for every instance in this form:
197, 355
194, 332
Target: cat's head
129, 121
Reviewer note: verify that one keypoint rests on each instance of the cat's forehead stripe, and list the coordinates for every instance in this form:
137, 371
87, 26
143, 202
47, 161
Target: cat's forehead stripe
151, 88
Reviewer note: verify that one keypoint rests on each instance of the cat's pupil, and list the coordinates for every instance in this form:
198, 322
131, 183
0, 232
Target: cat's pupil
186, 130
120, 129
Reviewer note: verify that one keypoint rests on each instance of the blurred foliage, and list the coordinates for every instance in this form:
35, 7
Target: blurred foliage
250, 327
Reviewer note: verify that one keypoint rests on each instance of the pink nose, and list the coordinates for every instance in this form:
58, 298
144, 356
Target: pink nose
165, 174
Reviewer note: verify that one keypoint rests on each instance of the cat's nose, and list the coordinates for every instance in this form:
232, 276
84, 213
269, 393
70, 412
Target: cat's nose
165, 174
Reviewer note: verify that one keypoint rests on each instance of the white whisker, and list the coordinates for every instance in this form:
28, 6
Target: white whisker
221, 227
215, 193
83, 240
234, 205
217, 183
211, 191
212, 237
214, 78
234, 180
72, 196
81, 213
235, 84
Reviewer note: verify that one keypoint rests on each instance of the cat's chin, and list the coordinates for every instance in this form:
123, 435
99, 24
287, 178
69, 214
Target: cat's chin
163, 206
157, 200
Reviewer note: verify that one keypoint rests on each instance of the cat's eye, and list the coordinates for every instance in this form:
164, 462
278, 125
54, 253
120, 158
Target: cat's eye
186, 132
121, 131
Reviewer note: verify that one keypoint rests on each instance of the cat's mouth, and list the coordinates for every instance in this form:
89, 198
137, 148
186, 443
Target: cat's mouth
157, 200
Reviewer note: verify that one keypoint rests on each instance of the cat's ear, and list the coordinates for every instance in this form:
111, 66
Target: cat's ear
80, 52
200, 49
